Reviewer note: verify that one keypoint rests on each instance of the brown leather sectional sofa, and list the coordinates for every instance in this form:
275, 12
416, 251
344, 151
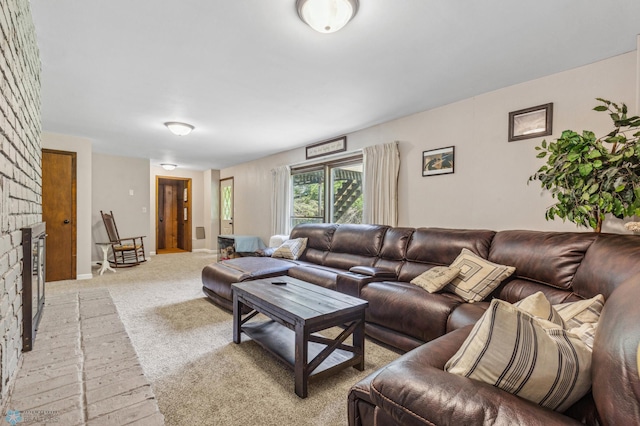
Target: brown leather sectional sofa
376, 263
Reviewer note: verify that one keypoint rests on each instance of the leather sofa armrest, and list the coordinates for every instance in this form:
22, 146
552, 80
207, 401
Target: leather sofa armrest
372, 271
351, 284
415, 390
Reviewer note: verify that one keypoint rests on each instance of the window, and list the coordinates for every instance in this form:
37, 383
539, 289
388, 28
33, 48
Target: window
328, 192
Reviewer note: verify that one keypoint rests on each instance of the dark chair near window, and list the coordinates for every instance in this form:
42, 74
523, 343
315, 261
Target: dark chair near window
126, 251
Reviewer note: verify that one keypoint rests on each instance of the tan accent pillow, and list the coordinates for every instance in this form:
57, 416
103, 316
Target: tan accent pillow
478, 277
526, 356
577, 313
586, 332
291, 249
436, 278
539, 306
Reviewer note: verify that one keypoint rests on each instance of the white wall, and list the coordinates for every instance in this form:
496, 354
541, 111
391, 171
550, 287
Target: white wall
82, 148
121, 185
211, 201
197, 205
489, 187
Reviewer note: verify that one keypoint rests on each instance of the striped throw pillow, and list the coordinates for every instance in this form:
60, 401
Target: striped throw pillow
478, 277
435, 278
529, 357
539, 306
577, 313
291, 249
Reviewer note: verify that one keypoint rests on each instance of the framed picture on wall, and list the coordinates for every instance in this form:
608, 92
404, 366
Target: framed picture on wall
438, 161
326, 148
531, 122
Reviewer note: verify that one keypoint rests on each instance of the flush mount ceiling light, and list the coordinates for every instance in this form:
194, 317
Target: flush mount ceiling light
168, 166
326, 16
179, 129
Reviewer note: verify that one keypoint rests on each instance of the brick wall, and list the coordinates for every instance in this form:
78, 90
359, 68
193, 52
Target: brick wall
20, 170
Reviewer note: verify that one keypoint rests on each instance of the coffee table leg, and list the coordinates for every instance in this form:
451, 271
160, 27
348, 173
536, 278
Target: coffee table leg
358, 342
301, 369
237, 318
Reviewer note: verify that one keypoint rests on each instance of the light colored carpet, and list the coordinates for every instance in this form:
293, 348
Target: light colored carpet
199, 376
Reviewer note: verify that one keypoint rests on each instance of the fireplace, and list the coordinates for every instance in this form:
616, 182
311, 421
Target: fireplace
33, 279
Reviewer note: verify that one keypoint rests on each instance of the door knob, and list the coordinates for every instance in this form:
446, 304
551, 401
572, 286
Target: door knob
66, 221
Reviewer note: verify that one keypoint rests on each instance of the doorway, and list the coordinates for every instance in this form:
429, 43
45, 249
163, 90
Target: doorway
59, 213
226, 206
173, 215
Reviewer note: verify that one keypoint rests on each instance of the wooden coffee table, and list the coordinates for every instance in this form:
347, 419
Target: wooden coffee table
296, 310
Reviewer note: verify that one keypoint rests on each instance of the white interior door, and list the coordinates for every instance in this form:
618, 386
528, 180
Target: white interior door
226, 206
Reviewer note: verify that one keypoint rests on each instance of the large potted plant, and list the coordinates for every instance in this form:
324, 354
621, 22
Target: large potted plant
590, 177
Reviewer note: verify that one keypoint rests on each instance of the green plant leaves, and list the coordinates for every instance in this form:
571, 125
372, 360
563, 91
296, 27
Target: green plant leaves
589, 176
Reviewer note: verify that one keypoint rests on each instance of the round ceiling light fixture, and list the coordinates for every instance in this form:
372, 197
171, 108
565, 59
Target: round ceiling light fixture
168, 166
326, 16
179, 129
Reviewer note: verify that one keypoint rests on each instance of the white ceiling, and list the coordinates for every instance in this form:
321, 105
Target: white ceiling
254, 80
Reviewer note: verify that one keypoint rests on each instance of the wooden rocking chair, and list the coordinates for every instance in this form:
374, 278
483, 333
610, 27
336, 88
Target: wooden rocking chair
126, 251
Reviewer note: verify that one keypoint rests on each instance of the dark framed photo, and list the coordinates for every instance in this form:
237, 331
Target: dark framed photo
531, 122
438, 161
327, 147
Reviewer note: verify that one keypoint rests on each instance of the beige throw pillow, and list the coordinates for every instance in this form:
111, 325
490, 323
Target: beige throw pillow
586, 332
526, 356
577, 313
291, 249
539, 306
436, 278
478, 277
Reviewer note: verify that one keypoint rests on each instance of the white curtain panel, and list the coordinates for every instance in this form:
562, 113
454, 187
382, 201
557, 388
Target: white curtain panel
381, 169
281, 201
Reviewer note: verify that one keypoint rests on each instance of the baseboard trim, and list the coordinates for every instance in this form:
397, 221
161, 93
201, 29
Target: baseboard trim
205, 251
84, 277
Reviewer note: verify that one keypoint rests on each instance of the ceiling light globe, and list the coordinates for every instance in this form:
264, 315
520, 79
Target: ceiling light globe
168, 166
179, 129
326, 16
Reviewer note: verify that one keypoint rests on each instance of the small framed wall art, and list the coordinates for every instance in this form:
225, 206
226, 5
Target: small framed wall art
326, 148
531, 122
438, 161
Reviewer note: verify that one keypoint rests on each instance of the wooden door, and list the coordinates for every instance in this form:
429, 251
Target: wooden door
226, 206
59, 213
173, 218
170, 216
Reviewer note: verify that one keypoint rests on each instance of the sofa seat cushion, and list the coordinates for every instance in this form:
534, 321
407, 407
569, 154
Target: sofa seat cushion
318, 275
409, 309
415, 390
466, 314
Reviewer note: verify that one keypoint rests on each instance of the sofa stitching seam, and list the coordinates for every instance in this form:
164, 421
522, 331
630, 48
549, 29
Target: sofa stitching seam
398, 405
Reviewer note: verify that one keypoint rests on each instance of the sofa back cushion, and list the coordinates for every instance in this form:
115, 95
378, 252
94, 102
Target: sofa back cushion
394, 248
430, 247
550, 258
319, 236
610, 260
355, 245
